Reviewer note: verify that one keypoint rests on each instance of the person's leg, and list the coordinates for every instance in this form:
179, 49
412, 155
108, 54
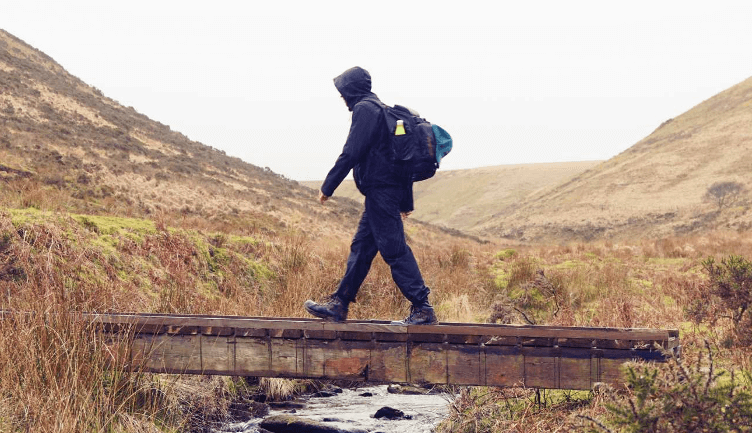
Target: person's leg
382, 207
362, 252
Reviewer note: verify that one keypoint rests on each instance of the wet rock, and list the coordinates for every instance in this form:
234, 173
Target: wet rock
391, 413
366, 394
242, 427
292, 424
282, 405
330, 391
406, 390
248, 409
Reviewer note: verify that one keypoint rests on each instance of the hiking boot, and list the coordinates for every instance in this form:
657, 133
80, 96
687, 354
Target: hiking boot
334, 309
420, 315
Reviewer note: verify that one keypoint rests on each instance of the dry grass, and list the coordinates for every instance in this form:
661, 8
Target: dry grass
54, 263
651, 283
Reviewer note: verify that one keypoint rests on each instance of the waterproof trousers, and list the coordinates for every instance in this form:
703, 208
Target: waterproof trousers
381, 230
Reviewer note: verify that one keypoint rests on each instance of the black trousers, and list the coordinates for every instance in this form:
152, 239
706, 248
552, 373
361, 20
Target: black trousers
381, 230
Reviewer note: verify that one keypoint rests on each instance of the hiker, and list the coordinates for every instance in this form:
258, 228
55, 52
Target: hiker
389, 199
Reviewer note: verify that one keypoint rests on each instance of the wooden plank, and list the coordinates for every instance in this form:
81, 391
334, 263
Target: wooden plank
217, 354
497, 340
541, 367
314, 357
465, 364
371, 326
167, 353
568, 368
537, 331
199, 321
466, 354
390, 337
217, 330
355, 335
505, 366
253, 357
320, 334
530, 331
287, 357
389, 363
427, 363
574, 369
348, 360
611, 371
337, 359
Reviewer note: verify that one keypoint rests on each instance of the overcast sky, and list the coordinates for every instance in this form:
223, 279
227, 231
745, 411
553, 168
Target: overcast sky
513, 82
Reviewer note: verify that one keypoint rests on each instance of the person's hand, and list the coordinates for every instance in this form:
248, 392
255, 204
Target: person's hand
405, 214
322, 197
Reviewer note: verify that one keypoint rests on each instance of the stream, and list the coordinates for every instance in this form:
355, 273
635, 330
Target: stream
350, 410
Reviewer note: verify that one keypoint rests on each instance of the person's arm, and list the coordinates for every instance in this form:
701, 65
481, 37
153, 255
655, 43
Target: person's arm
362, 131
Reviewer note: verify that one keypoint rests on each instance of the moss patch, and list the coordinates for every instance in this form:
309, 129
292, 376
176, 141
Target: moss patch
505, 254
19, 217
107, 225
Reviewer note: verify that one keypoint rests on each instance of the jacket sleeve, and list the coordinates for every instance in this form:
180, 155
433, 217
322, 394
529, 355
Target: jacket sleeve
363, 129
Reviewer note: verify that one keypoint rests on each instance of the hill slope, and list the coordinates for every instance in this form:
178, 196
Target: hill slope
66, 146
655, 187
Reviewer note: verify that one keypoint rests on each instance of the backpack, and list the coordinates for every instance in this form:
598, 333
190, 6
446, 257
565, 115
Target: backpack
418, 146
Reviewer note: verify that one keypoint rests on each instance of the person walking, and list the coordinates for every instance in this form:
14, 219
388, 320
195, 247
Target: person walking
388, 199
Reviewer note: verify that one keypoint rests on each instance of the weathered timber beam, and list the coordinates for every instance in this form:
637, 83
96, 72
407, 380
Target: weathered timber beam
380, 361
379, 351
492, 355
162, 323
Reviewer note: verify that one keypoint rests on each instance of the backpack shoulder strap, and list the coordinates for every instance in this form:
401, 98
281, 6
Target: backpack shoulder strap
383, 108
375, 102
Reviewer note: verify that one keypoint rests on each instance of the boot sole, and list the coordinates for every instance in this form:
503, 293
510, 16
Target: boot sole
403, 323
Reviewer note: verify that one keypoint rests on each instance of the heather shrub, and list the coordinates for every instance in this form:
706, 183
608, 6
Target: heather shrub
681, 396
729, 296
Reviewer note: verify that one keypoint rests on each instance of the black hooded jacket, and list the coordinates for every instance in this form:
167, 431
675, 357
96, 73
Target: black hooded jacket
365, 151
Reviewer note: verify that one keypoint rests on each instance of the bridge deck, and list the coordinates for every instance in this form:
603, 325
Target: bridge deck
378, 351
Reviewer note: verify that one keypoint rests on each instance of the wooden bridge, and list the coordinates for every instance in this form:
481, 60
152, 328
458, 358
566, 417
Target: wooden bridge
379, 351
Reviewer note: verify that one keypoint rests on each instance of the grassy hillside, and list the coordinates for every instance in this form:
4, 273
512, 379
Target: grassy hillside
656, 187
66, 146
54, 263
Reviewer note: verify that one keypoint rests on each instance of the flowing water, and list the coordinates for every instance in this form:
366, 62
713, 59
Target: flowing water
350, 410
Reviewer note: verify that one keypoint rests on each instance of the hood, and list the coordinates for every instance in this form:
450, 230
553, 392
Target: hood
354, 84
